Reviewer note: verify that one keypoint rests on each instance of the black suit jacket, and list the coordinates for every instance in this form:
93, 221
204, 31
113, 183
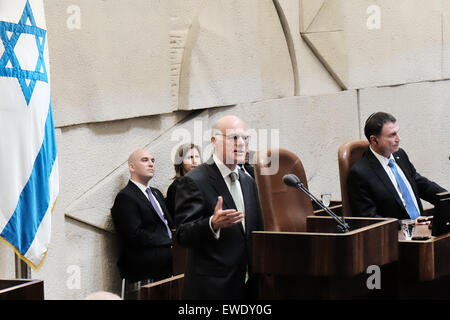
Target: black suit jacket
372, 194
249, 168
170, 199
144, 242
215, 268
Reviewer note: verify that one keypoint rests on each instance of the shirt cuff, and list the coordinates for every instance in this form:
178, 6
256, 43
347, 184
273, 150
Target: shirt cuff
216, 234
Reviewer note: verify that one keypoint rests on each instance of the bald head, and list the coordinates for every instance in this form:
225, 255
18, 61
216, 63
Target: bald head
135, 155
227, 123
102, 295
230, 140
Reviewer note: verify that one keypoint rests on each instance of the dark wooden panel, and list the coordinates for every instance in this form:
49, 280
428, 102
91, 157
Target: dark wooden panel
167, 289
424, 260
325, 254
324, 264
18, 289
424, 271
442, 256
273, 287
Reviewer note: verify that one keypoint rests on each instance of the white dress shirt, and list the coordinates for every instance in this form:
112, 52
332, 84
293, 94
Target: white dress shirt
385, 164
225, 172
143, 188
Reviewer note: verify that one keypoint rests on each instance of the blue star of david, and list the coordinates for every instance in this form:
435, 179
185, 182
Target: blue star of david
9, 56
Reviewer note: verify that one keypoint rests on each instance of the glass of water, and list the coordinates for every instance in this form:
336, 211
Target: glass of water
408, 227
326, 199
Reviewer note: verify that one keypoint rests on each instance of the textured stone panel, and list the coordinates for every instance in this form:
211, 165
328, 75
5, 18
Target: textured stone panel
328, 48
328, 17
96, 253
235, 52
115, 66
7, 261
407, 47
308, 12
446, 39
313, 78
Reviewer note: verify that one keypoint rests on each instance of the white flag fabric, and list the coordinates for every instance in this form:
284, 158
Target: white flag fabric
29, 180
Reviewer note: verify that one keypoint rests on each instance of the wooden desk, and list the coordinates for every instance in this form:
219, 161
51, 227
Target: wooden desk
21, 289
424, 260
424, 265
320, 264
323, 264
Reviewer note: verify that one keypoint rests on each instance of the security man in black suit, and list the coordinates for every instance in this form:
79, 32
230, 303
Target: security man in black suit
143, 226
217, 208
384, 183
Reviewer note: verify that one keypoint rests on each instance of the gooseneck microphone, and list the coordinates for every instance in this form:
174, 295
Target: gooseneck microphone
291, 180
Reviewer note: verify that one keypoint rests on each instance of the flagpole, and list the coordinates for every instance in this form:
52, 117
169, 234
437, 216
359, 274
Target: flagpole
22, 269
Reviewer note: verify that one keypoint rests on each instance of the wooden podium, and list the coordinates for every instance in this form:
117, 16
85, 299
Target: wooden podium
323, 264
21, 289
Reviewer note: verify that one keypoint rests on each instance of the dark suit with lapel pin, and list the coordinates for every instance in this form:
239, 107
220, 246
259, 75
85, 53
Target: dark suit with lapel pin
215, 268
372, 194
145, 244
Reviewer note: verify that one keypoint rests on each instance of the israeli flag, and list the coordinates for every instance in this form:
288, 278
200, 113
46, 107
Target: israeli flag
29, 181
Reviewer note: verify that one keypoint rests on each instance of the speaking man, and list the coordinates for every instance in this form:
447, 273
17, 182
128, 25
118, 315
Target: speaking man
217, 208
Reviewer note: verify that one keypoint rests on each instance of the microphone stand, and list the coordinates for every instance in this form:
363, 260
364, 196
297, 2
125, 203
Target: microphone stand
342, 225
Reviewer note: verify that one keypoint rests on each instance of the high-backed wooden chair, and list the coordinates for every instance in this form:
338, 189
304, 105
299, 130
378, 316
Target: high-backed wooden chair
284, 208
348, 154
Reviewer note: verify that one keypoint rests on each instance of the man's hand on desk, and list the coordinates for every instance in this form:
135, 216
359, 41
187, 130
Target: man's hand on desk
424, 220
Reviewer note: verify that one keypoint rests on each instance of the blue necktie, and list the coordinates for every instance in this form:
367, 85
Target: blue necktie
155, 206
409, 202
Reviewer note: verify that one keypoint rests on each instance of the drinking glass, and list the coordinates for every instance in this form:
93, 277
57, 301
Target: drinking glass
408, 227
326, 199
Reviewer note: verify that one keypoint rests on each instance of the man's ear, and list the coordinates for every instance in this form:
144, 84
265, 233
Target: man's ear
373, 139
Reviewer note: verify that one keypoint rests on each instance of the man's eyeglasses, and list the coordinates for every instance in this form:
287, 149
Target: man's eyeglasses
235, 137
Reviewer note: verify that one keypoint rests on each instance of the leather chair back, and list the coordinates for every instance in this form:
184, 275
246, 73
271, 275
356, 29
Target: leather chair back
348, 154
284, 208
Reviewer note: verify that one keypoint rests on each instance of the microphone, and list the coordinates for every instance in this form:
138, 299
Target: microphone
291, 180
